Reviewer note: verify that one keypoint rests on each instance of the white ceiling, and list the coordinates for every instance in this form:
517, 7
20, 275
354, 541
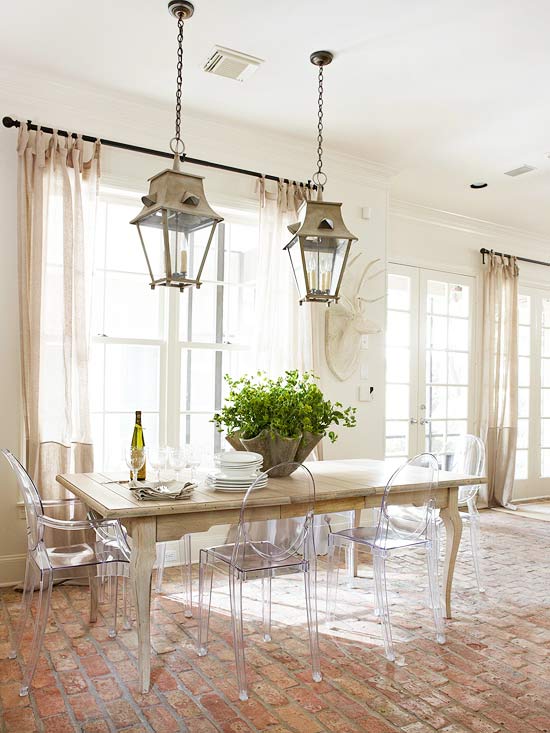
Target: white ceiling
445, 92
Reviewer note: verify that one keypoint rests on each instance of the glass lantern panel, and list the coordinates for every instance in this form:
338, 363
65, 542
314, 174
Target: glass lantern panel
189, 236
183, 258
342, 247
295, 253
153, 240
324, 258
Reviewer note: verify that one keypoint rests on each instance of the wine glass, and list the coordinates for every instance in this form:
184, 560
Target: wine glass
157, 460
178, 460
194, 459
135, 458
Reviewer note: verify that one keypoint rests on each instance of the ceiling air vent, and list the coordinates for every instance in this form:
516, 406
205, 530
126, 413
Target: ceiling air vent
231, 64
520, 171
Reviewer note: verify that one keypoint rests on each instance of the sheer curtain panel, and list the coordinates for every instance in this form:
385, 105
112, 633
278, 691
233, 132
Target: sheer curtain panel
285, 332
57, 197
499, 399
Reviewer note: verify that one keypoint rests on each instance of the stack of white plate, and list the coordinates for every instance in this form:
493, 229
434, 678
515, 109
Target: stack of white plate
237, 471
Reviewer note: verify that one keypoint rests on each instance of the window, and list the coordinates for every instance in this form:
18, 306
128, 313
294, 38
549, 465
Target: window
524, 384
545, 389
162, 351
533, 446
448, 340
398, 364
429, 359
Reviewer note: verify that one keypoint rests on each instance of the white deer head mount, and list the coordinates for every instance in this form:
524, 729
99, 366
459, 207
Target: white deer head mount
346, 322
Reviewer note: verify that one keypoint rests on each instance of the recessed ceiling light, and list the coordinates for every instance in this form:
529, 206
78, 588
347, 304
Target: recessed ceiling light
478, 184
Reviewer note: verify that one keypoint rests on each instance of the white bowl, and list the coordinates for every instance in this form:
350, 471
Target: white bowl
238, 457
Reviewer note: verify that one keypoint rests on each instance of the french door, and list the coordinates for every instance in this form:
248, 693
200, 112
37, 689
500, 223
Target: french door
532, 475
429, 359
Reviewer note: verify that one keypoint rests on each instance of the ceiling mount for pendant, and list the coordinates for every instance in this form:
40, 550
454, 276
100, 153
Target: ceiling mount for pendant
182, 8
321, 58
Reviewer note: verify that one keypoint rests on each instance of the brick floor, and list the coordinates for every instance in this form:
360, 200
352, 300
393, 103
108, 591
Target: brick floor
492, 674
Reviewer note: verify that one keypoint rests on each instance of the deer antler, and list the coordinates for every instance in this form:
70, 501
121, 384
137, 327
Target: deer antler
354, 259
364, 275
370, 300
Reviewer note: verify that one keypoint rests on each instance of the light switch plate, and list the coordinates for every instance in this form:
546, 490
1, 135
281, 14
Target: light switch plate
366, 393
364, 371
364, 341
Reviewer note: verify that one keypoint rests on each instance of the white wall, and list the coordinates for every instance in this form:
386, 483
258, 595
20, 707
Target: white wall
57, 103
425, 237
12, 538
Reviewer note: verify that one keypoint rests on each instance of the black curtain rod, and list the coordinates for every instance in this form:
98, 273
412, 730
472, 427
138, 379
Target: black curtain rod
10, 122
485, 251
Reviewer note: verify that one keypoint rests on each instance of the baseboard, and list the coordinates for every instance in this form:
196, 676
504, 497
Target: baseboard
528, 499
12, 570
216, 536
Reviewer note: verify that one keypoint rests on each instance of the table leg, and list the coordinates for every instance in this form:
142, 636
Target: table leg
144, 535
453, 530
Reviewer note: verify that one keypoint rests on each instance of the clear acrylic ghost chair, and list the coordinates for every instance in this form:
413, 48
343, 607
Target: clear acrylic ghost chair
246, 559
186, 575
46, 564
391, 535
108, 537
184, 546
465, 455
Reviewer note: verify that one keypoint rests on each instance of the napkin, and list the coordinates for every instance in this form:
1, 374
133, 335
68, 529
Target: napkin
169, 490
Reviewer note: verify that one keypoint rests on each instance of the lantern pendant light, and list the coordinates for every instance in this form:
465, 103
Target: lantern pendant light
176, 225
320, 242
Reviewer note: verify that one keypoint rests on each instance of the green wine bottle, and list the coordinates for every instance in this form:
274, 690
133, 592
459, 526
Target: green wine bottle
138, 441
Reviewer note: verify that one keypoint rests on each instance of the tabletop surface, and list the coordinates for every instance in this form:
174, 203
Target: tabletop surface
333, 479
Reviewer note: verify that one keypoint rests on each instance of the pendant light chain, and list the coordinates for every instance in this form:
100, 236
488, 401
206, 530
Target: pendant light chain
320, 176
176, 144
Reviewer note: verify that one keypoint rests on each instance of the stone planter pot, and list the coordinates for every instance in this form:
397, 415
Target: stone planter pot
275, 449
307, 444
234, 441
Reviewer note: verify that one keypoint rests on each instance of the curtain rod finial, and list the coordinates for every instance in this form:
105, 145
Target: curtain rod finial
10, 122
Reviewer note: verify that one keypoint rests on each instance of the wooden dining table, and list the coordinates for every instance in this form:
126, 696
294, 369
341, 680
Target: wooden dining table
340, 485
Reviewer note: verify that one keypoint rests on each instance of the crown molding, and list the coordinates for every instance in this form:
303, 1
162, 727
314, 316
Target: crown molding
477, 227
88, 109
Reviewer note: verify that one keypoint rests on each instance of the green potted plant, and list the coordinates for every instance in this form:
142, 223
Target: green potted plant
282, 418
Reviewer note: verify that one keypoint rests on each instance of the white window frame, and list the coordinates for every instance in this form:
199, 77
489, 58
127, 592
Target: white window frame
170, 345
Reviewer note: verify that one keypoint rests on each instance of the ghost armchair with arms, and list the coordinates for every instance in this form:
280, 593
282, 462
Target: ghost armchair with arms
46, 564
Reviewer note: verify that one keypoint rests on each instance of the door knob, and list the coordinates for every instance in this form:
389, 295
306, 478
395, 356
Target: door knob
424, 420
413, 421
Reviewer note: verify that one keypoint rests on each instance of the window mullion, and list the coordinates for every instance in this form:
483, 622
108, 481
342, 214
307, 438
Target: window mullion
218, 367
535, 466
170, 397
188, 353
103, 346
